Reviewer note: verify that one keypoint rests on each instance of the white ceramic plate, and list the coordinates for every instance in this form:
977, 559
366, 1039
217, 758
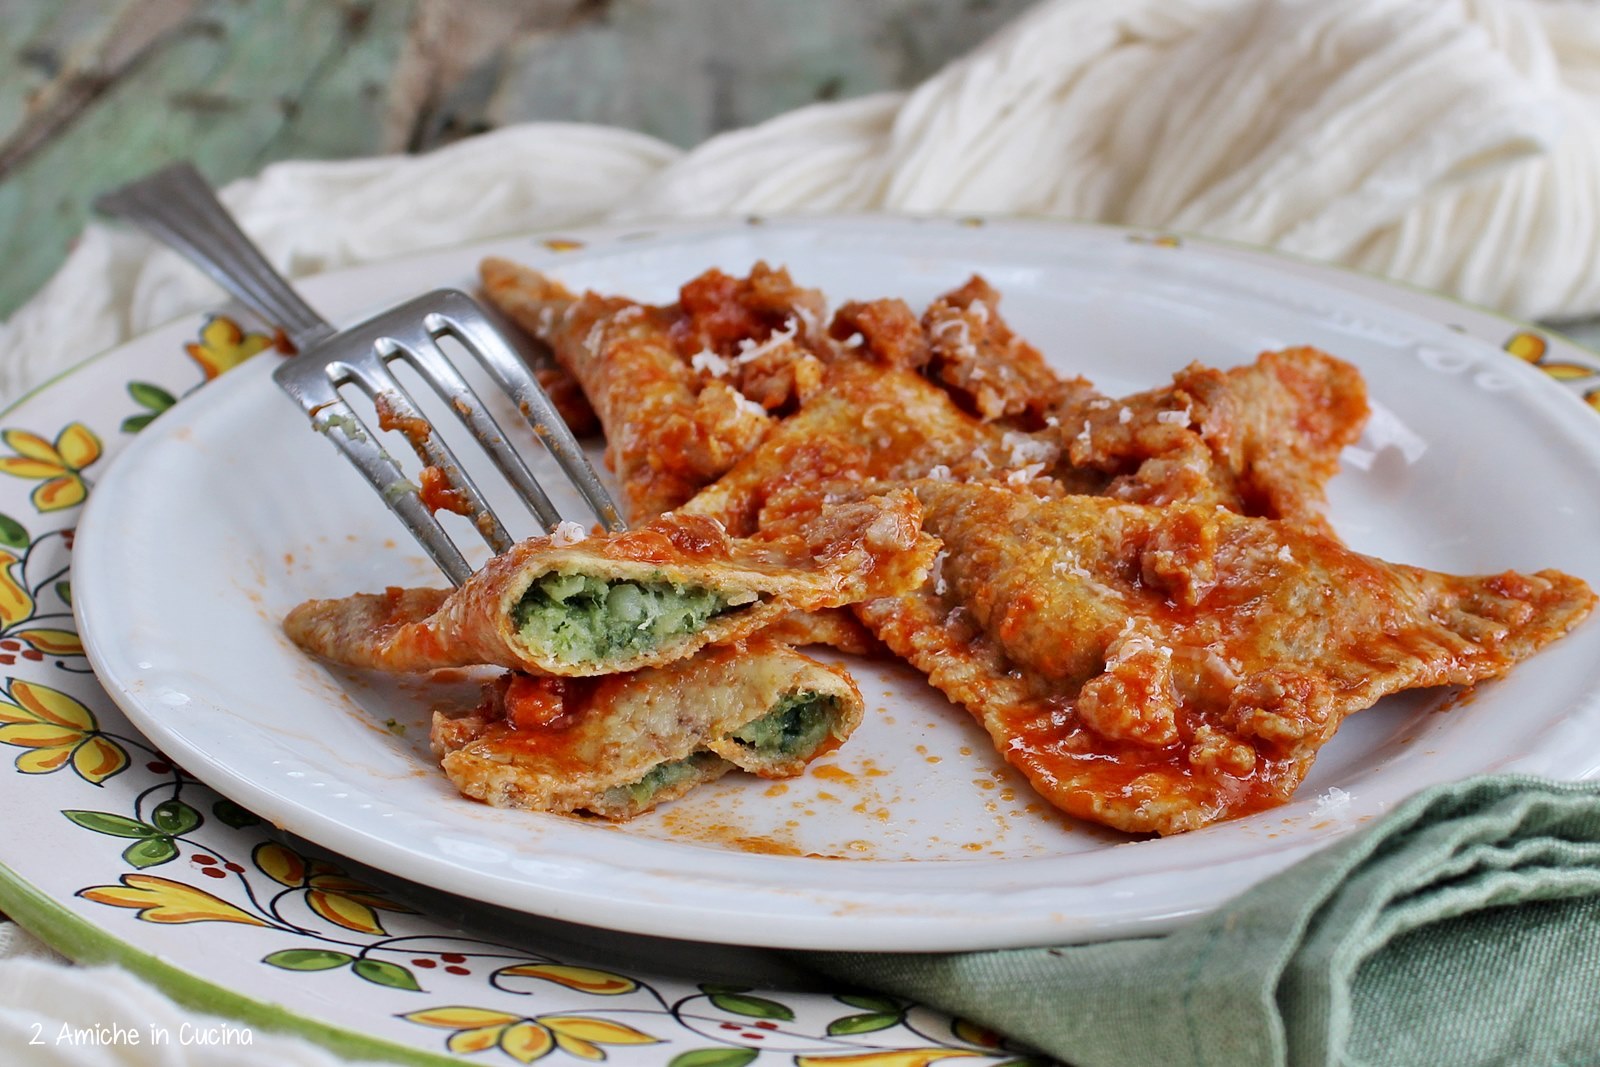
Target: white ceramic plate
227, 511
111, 852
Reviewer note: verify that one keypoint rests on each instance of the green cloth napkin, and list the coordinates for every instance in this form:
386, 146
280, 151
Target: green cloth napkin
1464, 928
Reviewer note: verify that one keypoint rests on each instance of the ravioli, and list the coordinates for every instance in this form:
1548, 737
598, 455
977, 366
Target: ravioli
619, 745
993, 372
617, 602
672, 385
1142, 600
1262, 439
867, 421
1159, 668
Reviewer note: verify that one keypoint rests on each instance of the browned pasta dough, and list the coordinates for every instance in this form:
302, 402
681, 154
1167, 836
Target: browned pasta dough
593, 744
835, 556
1159, 668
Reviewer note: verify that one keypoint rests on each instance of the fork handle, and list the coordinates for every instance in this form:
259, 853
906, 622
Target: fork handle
177, 206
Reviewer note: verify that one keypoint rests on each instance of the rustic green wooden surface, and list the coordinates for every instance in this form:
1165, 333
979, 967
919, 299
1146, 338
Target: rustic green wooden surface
96, 92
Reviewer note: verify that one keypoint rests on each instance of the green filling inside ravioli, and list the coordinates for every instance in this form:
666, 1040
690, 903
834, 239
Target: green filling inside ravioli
577, 618
662, 776
796, 726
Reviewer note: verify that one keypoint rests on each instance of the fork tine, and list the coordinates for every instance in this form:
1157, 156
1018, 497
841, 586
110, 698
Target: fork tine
344, 428
459, 316
177, 206
435, 368
372, 377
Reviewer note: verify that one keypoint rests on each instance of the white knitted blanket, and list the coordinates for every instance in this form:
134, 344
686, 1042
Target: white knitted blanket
1454, 144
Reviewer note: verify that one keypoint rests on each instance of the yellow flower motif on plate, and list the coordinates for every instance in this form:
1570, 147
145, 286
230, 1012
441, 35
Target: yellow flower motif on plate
57, 730
17, 606
223, 345
581, 979
51, 642
1531, 347
16, 603
57, 465
900, 1057
528, 1039
161, 900
330, 893
973, 1034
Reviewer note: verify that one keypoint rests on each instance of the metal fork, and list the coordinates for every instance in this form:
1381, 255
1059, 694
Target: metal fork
178, 207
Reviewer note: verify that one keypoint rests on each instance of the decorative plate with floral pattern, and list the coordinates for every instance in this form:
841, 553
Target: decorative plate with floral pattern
113, 850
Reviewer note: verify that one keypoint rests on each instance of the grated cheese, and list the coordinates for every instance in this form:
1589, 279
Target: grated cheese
809, 319
1023, 449
567, 533
1063, 567
749, 350
1333, 802
1174, 418
747, 406
1025, 474
708, 362
962, 341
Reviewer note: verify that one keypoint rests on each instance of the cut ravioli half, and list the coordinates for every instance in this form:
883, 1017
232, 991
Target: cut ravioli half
619, 745
618, 602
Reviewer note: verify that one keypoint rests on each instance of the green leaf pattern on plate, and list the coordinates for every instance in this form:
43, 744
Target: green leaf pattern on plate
308, 959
